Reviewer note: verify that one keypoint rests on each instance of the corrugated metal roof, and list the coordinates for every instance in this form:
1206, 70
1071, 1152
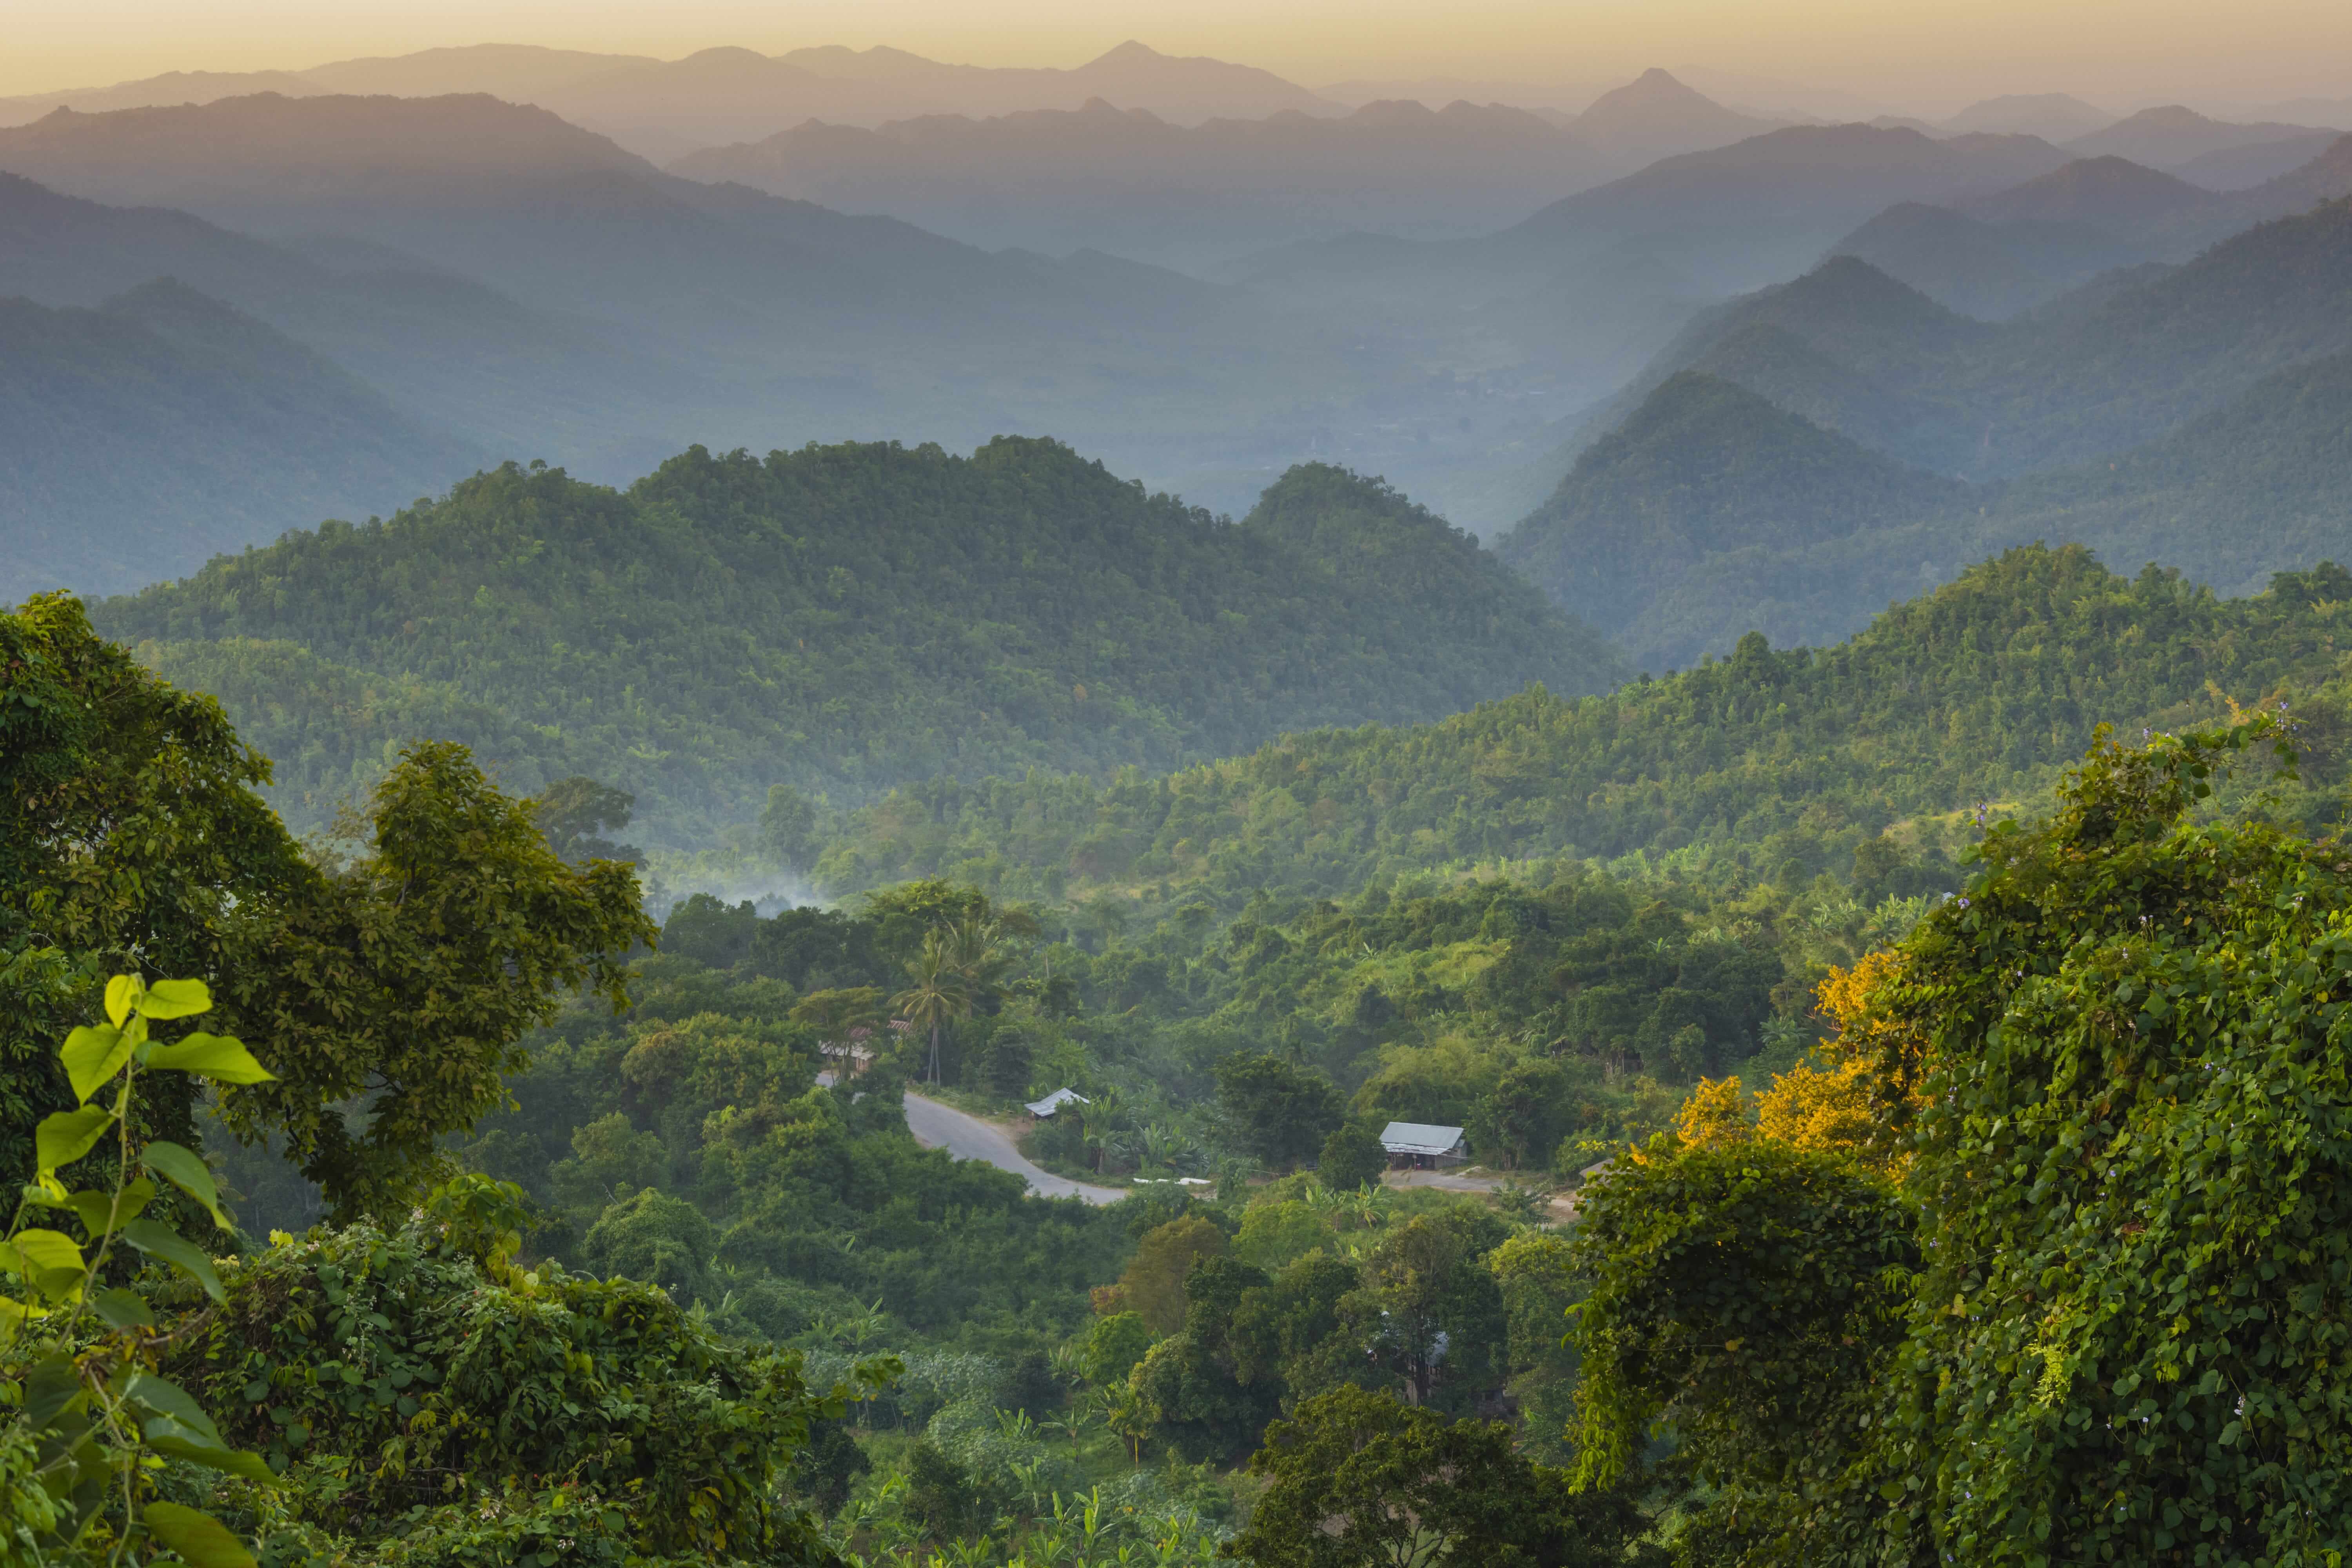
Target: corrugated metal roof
1055, 1100
1420, 1138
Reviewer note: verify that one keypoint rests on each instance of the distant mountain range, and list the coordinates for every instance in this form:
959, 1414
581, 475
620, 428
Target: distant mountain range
1702, 470
1794, 460
2173, 135
1128, 182
1994, 256
138, 438
2055, 117
667, 107
684, 310
1117, 177
1655, 116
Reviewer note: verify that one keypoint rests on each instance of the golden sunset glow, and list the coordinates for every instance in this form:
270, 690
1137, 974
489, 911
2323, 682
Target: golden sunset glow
1912, 59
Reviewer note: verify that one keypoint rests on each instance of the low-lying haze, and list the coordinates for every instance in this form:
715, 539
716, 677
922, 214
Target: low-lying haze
1910, 59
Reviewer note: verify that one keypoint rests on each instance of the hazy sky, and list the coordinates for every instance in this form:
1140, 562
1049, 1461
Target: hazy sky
1923, 56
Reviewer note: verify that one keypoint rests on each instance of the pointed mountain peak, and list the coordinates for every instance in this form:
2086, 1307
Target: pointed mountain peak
1656, 86
1656, 114
1131, 52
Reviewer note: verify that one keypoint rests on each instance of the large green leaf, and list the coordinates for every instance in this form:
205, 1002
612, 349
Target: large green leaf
166, 1435
122, 1309
102, 1212
217, 1056
93, 1054
51, 1385
164, 1397
121, 992
184, 1170
175, 999
51, 1260
157, 1240
200, 1538
66, 1135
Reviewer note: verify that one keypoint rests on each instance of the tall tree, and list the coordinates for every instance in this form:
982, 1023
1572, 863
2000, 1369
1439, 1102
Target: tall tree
1361, 1480
2122, 1064
1281, 1113
940, 993
575, 813
130, 839
387, 989
400, 986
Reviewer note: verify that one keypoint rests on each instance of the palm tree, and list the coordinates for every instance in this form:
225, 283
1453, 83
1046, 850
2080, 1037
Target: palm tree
942, 992
982, 955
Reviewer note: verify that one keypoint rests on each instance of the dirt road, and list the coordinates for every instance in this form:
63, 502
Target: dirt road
937, 1126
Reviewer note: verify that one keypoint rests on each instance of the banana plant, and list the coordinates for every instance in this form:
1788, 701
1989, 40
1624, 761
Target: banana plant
83, 1355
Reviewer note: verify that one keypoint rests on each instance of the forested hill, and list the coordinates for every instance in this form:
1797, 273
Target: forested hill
139, 437
843, 619
1702, 468
1772, 765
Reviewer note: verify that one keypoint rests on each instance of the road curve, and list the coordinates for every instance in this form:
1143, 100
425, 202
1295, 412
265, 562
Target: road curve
937, 1126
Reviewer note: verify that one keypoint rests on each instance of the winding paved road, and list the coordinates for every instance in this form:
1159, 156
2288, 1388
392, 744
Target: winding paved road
937, 1126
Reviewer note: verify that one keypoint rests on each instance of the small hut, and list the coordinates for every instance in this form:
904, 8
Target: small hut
1418, 1146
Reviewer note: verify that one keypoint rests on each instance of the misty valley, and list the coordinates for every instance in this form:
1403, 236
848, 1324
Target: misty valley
828, 809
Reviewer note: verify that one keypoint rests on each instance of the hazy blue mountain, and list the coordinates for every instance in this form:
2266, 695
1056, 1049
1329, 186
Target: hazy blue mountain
719, 97
1701, 469
2195, 414
2171, 135
171, 87
141, 437
2053, 116
2105, 191
668, 108
1763, 208
2242, 168
1126, 181
795, 319
1989, 270
1712, 513
1655, 116
453, 354
2108, 367
1997, 254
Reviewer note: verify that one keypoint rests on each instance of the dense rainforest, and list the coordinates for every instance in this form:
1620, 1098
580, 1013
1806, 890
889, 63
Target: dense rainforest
1677, 959
1767, 765
841, 619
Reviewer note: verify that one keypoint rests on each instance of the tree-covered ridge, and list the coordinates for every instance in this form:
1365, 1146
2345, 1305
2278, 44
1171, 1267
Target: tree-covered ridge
1703, 467
1779, 762
145, 434
2109, 366
844, 618
2253, 488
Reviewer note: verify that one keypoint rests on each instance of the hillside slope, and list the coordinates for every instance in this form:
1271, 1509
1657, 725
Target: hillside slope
1120, 179
846, 618
2109, 367
451, 352
141, 438
2260, 486
1988, 270
1768, 764
1703, 468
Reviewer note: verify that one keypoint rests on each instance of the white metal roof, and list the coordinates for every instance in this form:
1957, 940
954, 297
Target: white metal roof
1055, 1100
1420, 1138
